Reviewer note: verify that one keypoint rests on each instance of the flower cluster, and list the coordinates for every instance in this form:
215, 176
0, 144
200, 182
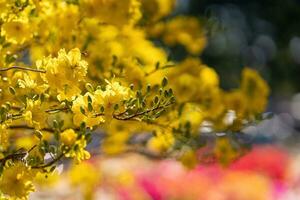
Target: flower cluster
70, 69
16, 180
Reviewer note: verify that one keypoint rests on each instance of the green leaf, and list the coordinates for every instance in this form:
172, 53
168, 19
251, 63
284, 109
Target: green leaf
157, 65
116, 106
131, 86
148, 88
82, 110
89, 99
55, 124
156, 99
89, 87
90, 107
102, 109
164, 82
38, 134
82, 126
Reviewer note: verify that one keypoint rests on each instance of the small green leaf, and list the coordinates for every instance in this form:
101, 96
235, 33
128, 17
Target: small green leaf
55, 124
166, 94
35, 97
148, 88
102, 109
42, 97
38, 134
138, 93
82, 126
156, 99
157, 65
164, 82
89, 99
90, 107
89, 87
131, 86
61, 124
82, 110
52, 168
114, 60
116, 106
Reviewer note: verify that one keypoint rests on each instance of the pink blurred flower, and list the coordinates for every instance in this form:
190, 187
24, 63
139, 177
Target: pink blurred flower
271, 161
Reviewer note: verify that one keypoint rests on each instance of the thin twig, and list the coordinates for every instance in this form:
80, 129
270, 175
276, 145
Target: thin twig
49, 163
32, 148
13, 156
156, 70
28, 127
54, 110
22, 68
32, 128
118, 117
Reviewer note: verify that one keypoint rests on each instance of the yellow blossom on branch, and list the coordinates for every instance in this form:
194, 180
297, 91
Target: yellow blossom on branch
16, 180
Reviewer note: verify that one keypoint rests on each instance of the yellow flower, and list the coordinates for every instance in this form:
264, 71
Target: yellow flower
192, 114
235, 100
133, 72
189, 158
68, 17
79, 67
35, 114
17, 31
131, 48
224, 150
86, 176
210, 95
16, 181
119, 13
82, 112
185, 31
157, 9
64, 73
205, 90
118, 133
47, 180
255, 90
208, 78
31, 82
192, 72
68, 137
26, 142
162, 142
78, 152
115, 143
183, 91
143, 49
3, 138
114, 93
4, 7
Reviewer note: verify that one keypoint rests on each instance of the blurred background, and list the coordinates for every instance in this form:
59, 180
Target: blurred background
261, 34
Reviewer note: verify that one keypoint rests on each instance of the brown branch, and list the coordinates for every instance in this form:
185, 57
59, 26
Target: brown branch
156, 70
32, 128
13, 156
28, 127
22, 68
23, 155
49, 163
54, 110
118, 116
